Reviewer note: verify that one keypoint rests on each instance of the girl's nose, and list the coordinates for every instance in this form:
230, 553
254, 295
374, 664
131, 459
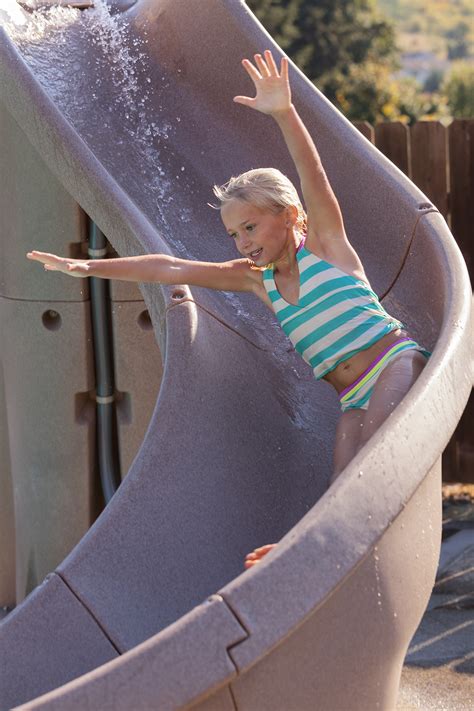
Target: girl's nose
244, 242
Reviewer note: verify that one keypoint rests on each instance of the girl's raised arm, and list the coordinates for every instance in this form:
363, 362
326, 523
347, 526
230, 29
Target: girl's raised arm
274, 98
235, 275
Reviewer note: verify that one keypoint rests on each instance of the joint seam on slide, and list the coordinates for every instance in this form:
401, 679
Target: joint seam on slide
81, 602
242, 624
232, 696
410, 242
231, 647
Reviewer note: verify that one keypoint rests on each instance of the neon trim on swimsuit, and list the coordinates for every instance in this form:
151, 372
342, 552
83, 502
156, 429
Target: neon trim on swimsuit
374, 367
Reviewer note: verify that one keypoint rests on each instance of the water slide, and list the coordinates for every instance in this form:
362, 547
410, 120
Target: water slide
125, 115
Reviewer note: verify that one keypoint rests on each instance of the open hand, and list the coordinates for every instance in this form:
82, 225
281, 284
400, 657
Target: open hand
52, 263
256, 556
273, 88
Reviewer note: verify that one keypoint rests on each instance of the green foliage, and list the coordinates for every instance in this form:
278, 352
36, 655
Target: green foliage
449, 19
458, 87
413, 104
345, 46
433, 81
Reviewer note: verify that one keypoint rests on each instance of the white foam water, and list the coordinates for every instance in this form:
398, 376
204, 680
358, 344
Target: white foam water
98, 73
81, 57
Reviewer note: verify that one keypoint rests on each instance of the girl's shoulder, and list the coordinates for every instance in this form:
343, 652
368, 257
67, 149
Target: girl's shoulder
258, 276
337, 251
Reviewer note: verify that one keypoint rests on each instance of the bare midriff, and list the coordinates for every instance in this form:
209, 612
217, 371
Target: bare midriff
349, 370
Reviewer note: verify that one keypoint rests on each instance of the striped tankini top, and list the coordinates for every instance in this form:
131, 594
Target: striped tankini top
337, 315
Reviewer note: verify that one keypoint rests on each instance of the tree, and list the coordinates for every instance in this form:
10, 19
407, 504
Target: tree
459, 90
345, 46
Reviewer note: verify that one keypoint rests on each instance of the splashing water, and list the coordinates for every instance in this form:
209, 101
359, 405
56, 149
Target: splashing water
32, 27
97, 74
377, 578
11, 13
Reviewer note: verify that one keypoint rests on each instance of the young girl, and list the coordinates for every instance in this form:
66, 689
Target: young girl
303, 267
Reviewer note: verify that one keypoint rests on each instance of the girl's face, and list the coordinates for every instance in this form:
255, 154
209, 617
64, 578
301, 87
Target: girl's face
259, 234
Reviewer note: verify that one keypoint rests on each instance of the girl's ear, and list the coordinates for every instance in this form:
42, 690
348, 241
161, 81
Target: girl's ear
291, 215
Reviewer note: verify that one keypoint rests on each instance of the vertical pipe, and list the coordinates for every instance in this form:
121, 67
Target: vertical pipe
107, 445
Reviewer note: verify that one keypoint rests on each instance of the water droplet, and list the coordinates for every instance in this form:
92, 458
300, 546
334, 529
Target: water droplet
395, 614
361, 473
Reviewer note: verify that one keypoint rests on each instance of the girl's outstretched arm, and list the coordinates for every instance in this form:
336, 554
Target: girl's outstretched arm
235, 275
274, 97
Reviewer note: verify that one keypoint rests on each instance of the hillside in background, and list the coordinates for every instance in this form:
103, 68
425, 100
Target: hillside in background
431, 35
381, 60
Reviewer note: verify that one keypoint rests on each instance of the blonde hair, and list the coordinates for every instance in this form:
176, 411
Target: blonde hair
266, 188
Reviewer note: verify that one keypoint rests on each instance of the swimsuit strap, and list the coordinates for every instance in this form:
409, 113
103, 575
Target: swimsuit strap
301, 244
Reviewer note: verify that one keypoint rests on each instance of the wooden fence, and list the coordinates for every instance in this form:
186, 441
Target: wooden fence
440, 161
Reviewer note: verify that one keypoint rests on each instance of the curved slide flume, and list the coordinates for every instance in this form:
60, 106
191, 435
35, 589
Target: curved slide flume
151, 609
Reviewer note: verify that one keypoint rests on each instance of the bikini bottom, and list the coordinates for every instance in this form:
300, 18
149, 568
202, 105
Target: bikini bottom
357, 395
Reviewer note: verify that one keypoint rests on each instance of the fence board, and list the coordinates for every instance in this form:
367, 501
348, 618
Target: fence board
429, 156
366, 130
393, 140
442, 160
461, 167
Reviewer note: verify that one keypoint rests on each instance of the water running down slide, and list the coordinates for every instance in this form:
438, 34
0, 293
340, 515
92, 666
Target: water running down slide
135, 119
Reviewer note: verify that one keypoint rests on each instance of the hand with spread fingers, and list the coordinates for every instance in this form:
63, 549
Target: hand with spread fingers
273, 87
256, 556
53, 263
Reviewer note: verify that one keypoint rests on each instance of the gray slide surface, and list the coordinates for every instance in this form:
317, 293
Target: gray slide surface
132, 114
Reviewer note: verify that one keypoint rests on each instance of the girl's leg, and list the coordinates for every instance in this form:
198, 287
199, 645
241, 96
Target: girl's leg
346, 443
390, 388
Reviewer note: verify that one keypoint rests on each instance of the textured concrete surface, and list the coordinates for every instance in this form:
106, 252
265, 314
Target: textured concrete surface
439, 668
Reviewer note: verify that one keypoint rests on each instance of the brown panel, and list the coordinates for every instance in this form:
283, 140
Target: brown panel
138, 371
429, 155
393, 139
36, 213
461, 166
51, 423
7, 519
458, 457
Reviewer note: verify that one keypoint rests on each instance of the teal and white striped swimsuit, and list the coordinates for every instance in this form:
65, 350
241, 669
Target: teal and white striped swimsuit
337, 316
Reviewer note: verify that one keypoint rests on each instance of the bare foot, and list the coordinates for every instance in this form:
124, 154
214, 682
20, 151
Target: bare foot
257, 555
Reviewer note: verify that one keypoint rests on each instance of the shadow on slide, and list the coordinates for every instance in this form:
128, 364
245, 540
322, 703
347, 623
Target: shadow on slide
134, 116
